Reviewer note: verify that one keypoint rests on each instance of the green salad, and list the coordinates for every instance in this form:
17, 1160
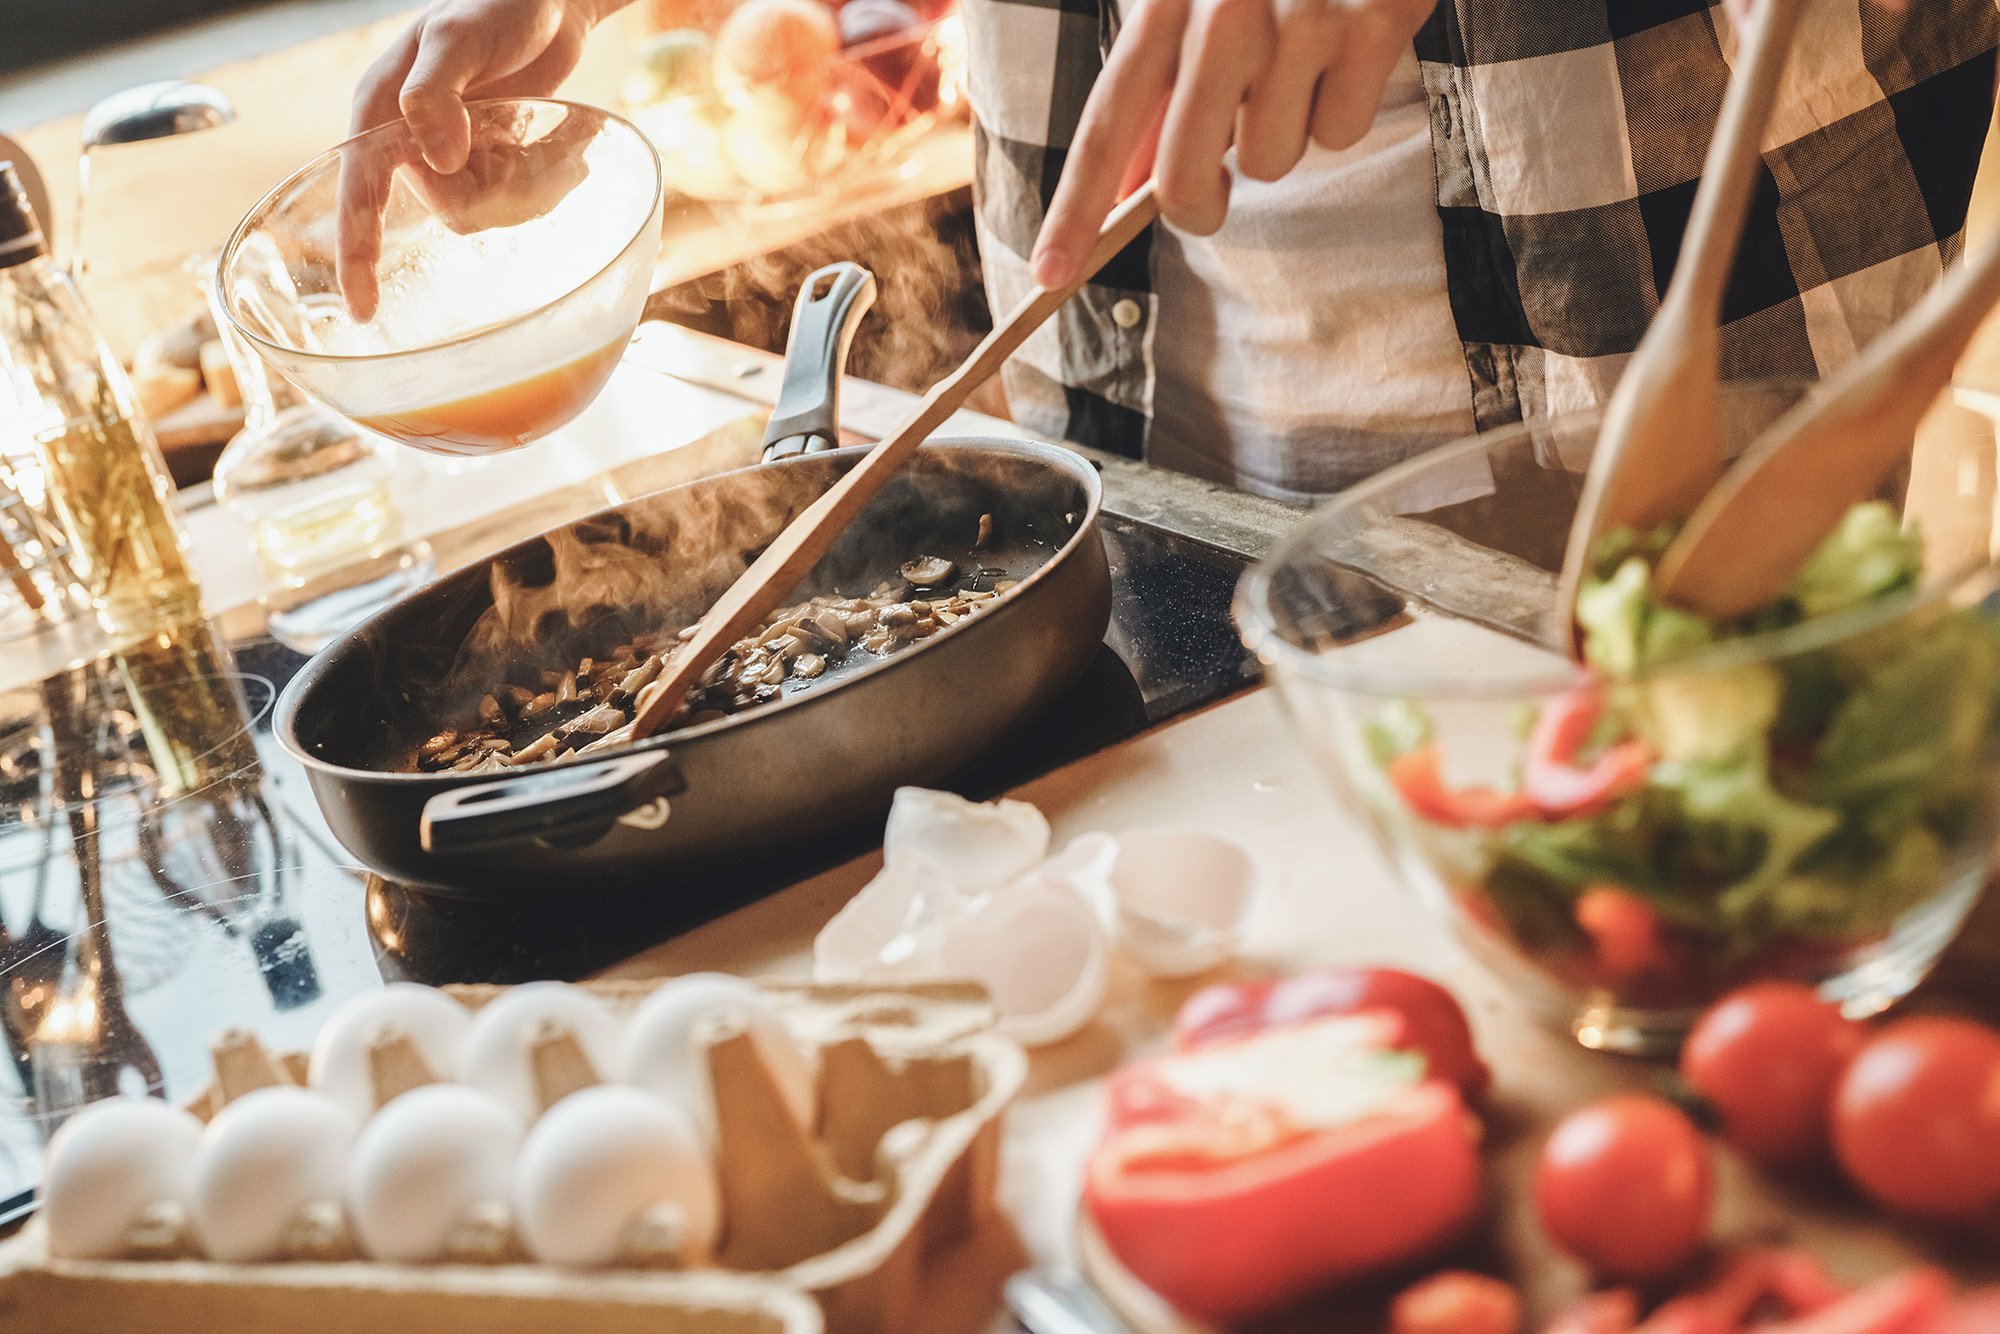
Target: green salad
1671, 828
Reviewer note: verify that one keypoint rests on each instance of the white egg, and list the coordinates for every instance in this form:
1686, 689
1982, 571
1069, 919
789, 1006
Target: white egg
107, 1166
264, 1159
603, 1164
423, 1164
498, 1051
434, 1023
1040, 951
660, 1052
1184, 899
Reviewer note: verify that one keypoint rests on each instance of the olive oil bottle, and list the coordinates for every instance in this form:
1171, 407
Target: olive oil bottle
100, 463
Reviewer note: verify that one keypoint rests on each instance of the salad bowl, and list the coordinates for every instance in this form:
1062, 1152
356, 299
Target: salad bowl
1807, 794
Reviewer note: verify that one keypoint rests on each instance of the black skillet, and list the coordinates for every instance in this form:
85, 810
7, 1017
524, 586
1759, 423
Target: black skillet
688, 803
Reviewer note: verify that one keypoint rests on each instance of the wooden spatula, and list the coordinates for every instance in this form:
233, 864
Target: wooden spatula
792, 555
1743, 544
1660, 447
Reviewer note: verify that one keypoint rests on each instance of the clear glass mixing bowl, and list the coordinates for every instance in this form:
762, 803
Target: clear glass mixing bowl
502, 295
1415, 616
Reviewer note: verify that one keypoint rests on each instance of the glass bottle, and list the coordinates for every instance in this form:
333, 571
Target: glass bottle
100, 464
315, 491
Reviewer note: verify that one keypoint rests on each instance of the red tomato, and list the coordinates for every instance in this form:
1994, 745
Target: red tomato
1766, 1058
1433, 1022
1456, 1302
1624, 932
1624, 1185
1916, 1118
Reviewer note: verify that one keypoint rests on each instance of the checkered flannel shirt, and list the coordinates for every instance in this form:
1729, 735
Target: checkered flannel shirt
1567, 136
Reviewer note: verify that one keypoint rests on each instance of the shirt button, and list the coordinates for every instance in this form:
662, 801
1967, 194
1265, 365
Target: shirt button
1126, 314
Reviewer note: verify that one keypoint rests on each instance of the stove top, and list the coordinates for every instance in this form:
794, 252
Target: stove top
164, 872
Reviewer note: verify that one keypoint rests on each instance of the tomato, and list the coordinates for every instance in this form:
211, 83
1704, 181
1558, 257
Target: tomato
1456, 1302
1624, 932
1433, 1022
1766, 1059
1625, 1186
1916, 1118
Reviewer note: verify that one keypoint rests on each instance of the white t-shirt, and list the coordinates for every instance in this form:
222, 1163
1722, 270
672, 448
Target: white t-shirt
1310, 343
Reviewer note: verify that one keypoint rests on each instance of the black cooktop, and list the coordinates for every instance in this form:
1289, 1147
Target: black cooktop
164, 873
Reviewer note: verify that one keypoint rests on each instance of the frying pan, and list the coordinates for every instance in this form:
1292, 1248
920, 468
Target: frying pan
683, 806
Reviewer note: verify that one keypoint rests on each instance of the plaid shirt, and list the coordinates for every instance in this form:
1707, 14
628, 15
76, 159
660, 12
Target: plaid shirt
1567, 136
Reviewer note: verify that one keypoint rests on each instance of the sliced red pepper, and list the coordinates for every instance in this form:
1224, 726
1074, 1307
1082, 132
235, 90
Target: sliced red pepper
1975, 1313
1624, 932
1245, 1199
1418, 777
1433, 1021
1554, 780
1723, 1305
1802, 1285
1911, 1301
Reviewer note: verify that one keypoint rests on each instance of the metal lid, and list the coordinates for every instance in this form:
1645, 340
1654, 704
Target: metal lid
20, 233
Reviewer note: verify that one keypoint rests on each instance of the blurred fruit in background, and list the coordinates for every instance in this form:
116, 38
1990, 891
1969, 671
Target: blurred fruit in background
785, 100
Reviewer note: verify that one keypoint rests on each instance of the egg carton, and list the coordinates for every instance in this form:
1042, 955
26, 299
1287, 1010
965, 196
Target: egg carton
827, 1230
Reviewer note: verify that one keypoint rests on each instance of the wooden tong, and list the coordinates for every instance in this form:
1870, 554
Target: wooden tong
1660, 447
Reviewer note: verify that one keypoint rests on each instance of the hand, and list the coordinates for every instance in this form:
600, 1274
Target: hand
459, 50
1188, 79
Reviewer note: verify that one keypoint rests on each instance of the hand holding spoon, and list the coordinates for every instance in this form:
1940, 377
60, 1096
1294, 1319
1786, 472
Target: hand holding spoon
1660, 448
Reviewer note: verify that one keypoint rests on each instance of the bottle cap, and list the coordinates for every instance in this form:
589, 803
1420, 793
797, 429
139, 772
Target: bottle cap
20, 234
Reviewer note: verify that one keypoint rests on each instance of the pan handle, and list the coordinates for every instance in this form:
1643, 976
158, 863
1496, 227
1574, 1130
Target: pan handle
573, 805
806, 418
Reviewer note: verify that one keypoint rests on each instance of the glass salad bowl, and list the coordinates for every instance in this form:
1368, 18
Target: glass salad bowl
490, 304
1808, 796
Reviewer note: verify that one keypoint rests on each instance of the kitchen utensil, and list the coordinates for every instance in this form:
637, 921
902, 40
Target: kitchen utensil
135, 115
676, 811
502, 296
1746, 540
807, 538
1663, 440
1051, 1301
1369, 681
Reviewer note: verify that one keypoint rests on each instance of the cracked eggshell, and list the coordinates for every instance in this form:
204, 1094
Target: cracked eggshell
1040, 951
263, 1159
423, 1164
497, 1052
107, 1166
600, 1163
659, 1050
941, 855
1184, 899
435, 1024
974, 844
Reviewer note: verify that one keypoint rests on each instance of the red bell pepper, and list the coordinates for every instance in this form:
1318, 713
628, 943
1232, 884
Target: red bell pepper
1912, 1301
1238, 1178
1977, 1312
1418, 777
1433, 1022
1613, 1311
1556, 782
1456, 1302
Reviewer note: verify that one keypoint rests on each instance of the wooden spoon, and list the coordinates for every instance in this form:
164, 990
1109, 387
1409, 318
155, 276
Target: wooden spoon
1741, 547
789, 558
1660, 447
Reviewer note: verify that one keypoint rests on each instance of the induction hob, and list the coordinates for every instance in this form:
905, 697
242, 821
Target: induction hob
165, 874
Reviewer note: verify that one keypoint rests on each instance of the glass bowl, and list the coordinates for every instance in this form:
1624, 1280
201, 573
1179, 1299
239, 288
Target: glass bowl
1812, 803
781, 101
506, 291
